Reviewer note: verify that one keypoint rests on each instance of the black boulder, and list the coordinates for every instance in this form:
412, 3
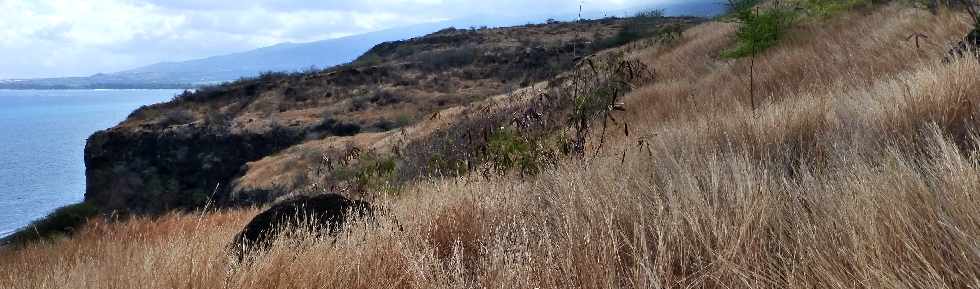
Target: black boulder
320, 214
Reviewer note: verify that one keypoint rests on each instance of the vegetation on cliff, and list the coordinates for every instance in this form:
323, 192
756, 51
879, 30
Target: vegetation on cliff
145, 164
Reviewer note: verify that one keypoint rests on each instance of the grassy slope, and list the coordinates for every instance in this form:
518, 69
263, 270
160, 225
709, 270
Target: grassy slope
858, 172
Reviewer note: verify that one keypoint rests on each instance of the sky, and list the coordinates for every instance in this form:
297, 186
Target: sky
53, 38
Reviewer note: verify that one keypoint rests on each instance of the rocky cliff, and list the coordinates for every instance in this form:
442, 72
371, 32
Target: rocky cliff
189, 151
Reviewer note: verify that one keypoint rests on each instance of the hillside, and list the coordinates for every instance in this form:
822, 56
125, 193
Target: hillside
145, 165
849, 161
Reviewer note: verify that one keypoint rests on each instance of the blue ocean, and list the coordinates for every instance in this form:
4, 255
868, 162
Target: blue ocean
42, 139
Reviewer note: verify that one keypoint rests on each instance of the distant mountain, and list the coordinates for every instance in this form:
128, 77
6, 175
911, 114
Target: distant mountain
301, 56
217, 69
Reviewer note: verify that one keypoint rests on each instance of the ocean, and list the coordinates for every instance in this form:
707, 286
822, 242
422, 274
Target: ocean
42, 139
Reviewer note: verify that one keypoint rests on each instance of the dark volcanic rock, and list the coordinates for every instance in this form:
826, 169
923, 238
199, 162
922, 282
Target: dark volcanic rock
323, 213
154, 172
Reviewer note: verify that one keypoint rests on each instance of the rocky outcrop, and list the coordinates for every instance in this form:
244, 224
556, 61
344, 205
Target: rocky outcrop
156, 171
318, 214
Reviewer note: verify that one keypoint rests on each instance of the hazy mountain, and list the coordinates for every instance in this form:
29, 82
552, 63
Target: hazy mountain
301, 56
216, 69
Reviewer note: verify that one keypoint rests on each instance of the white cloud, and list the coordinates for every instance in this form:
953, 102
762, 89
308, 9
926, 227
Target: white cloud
40, 38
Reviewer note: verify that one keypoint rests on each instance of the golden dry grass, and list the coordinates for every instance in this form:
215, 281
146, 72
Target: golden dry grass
859, 171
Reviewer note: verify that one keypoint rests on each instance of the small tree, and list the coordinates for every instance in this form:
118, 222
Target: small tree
759, 29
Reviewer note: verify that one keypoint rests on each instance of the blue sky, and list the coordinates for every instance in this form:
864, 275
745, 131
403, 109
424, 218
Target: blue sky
48, 38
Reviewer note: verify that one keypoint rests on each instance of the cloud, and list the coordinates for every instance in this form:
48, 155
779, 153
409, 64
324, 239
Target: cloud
42, 38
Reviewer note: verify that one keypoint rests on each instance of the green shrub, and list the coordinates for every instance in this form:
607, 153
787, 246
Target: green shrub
759, 29
371, 173
589, 106
63, 221
646, 24
508, 150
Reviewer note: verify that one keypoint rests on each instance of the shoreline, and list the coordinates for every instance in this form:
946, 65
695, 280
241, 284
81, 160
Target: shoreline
70, 117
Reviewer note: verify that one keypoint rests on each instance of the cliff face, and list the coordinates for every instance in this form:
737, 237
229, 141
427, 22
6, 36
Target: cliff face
183, 153
155, 171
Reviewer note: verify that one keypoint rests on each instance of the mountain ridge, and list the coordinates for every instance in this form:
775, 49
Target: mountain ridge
292, 57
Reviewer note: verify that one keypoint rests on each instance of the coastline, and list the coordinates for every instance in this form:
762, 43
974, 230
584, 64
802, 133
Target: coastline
43, 140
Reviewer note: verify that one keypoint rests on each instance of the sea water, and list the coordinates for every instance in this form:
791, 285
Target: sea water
42, 139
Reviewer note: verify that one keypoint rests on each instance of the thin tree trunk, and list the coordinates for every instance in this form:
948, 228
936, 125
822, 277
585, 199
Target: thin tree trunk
752, 81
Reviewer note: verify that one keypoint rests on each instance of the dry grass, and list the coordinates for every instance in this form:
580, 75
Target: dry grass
860, 172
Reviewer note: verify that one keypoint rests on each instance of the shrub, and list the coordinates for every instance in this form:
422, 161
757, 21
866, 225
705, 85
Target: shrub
506, 150
177, 116
591, 105
758, 30
645, 24
368, 59
528, 153
386, 97
371, 173
443, 165
272, 75
338, 128
448, 58
360, 102
216, 119
385, 124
